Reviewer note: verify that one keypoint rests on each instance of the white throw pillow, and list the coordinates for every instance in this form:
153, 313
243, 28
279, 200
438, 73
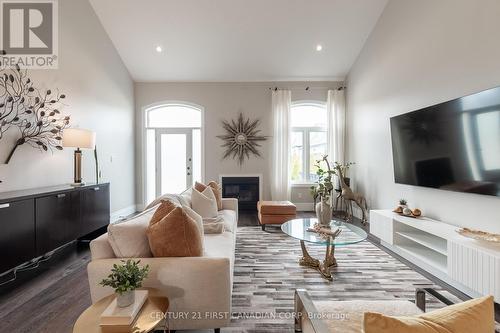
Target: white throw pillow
204, 203
128, 238
199, 222
185, 197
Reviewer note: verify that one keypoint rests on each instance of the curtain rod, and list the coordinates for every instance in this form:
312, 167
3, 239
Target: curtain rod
307, 88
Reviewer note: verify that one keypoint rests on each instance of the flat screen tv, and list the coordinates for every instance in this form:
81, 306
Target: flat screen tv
452, 146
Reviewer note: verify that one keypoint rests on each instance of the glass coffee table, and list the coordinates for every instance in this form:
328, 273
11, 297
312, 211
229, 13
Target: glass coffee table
349, 234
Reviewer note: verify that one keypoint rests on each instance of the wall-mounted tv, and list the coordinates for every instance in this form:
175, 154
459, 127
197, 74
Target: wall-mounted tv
452, 146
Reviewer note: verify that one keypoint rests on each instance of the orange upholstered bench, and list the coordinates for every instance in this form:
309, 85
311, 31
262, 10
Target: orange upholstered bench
275, 212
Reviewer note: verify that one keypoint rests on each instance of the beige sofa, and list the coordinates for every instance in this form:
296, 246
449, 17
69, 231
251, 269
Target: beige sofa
199, 288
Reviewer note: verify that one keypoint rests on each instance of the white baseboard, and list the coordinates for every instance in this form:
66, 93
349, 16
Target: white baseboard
304, 206
122, 213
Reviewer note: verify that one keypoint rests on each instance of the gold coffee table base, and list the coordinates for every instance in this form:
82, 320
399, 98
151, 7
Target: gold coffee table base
324, 268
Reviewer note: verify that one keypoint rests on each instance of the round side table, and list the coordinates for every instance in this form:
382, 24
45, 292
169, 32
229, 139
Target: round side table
150, 315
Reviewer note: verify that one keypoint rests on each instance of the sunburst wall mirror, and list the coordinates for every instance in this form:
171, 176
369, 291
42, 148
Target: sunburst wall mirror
241, 139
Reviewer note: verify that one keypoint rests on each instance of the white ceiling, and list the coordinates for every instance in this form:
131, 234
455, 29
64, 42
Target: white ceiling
238, 40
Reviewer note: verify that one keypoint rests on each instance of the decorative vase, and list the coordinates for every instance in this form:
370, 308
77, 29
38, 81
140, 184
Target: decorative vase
323, 212
125, 299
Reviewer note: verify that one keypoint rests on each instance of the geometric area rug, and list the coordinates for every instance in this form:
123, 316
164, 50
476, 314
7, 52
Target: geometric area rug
266, 274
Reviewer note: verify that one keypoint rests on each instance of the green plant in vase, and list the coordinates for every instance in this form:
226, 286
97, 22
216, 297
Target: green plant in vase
322, 190
125, 279
314, 193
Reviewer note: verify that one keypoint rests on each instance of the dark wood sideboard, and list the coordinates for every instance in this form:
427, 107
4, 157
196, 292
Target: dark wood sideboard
36, 221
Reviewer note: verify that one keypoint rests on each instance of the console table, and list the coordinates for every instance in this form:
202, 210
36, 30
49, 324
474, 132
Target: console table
36, 221
469, 265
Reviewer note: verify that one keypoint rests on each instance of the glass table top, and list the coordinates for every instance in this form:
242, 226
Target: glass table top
350, 234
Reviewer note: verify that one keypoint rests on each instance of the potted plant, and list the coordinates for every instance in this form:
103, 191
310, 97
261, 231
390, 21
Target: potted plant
314, 193
125, 279
403, 203
322, 190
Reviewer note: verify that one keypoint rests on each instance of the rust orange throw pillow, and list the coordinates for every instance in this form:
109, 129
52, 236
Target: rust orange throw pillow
166, 206
175, 235
215, 188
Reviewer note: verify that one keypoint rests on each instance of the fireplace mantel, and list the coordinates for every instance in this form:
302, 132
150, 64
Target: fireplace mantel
258, 176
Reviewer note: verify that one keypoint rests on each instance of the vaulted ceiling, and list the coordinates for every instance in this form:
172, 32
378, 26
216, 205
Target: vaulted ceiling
238, 40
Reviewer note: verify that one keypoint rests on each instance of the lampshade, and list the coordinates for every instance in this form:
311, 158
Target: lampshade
78, 138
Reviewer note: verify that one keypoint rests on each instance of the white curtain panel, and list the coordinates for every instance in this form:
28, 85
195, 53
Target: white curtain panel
336, 125
280, 181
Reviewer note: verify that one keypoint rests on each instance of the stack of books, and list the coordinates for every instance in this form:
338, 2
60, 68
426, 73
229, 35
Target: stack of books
116, 319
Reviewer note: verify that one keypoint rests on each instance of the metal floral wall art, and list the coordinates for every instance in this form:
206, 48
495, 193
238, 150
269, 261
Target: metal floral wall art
241, 138
34, 112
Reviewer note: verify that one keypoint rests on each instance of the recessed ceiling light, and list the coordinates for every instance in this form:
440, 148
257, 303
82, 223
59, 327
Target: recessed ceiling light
319, 47
159, 49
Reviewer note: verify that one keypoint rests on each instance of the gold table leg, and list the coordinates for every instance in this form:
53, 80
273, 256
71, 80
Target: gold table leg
322, 267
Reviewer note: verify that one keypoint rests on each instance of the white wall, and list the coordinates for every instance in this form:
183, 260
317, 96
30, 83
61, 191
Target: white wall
224, 101
419, 54
100, 97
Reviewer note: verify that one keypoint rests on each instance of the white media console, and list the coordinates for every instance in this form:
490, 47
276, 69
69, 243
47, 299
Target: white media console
469, 265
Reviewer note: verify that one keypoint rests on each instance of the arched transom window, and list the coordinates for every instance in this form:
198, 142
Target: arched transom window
173, 148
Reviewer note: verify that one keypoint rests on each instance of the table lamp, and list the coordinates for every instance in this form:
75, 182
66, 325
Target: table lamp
80, 139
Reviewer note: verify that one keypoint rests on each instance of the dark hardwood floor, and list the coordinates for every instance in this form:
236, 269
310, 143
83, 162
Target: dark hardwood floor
247, 219
48, 298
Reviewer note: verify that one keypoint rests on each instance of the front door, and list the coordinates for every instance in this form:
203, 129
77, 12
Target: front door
174, 160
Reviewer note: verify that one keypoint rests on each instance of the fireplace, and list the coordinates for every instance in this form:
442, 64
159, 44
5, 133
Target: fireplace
245, 188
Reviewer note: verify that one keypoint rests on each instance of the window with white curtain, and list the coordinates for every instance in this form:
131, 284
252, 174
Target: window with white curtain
308, 140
